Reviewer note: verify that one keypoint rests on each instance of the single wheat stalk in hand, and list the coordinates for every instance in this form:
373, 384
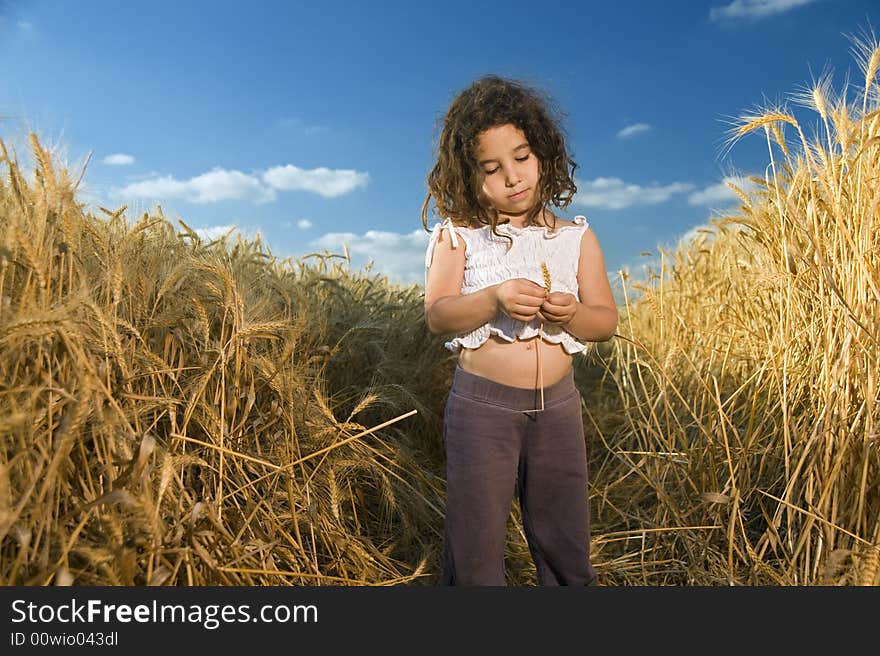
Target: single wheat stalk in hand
547, 283
546, 273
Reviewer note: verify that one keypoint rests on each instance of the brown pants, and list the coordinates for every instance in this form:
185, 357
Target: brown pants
494, 448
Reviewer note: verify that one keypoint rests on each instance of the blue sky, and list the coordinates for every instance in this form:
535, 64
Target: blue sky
313, 124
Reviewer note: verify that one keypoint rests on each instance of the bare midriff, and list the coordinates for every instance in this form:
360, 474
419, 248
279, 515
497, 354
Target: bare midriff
516, 363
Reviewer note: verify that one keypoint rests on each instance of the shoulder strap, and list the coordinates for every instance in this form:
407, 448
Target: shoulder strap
435, 235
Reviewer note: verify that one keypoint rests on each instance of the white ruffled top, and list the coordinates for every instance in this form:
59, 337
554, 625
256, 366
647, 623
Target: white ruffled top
488, 262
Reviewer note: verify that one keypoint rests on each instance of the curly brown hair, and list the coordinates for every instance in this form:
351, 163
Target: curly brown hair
455, 181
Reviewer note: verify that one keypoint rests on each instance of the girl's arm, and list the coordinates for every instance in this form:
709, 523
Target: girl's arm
595, 317
446, 309
461, 313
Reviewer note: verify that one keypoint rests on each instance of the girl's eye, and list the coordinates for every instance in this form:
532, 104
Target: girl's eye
518, 159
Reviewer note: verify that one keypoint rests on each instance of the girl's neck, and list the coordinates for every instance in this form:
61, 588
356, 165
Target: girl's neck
520, 220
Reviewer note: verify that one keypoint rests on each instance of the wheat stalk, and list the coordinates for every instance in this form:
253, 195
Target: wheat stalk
547, 284
546, 272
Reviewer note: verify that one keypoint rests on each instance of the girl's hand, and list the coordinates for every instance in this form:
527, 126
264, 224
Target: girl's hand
520, 298
559, 307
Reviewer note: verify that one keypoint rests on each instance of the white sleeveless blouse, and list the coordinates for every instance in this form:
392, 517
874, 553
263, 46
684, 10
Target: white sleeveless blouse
488, 262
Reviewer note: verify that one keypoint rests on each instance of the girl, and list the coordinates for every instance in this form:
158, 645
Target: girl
501, 162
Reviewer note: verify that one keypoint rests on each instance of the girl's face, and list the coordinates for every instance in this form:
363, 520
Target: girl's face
510, 170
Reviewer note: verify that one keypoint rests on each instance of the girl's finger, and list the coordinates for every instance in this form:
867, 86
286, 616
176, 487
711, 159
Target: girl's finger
529, 301
523, 311
553, 307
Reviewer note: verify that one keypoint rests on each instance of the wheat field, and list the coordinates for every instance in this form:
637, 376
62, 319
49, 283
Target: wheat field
748, 373
176, 411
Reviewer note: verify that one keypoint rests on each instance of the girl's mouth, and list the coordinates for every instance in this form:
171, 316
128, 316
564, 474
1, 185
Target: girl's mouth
520, 195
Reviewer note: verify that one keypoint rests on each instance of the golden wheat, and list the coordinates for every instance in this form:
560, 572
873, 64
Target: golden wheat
161, 372
776, 353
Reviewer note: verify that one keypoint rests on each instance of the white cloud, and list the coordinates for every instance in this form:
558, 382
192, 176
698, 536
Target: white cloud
632, 130
118, 159
754, 9
214, 186
221, 184
137, 177
25, 25
720, 192
323, 181
214, 232
400, 256
697, 231
615, 194
303, 224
